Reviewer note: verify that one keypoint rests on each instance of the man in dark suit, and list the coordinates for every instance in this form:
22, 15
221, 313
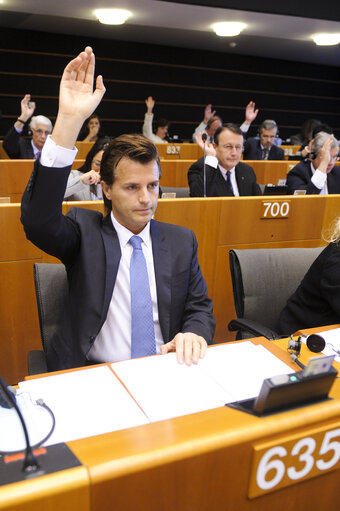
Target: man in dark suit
264, 148
319, 174
98, 324
225, 174
20, 148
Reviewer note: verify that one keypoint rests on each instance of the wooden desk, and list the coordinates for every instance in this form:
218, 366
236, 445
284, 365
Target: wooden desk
220, 224
204, 461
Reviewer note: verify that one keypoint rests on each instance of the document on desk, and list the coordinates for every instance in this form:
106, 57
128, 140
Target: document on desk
231, 372
85, 403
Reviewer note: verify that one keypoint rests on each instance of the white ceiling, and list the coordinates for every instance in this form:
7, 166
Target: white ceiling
180, 25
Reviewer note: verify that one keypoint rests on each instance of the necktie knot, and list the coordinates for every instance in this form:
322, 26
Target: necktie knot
136, 242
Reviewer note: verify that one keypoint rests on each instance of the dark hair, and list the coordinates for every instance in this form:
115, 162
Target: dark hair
85, 129
213, 119
100, 145
307, 129
161, 123
322, 128
136, 147
229, 126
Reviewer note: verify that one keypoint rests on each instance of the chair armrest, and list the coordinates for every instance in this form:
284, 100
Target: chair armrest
253, 327
36, 362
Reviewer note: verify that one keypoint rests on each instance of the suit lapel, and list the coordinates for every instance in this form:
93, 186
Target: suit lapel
113, 255
162, 264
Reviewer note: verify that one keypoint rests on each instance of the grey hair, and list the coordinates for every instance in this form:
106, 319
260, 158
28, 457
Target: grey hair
40, 119
319, 141
268, 124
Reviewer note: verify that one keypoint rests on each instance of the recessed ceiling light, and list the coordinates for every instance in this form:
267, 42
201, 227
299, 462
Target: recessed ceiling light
228, 28
112, 16
326, 39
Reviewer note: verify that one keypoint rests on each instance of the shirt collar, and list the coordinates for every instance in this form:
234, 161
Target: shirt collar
224, 171
124, 234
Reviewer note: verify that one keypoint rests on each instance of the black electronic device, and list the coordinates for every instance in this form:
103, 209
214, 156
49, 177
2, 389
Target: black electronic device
275, 190
286, 391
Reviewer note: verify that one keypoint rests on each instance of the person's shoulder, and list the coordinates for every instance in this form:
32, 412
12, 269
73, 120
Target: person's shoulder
83, 214
171, 229
303, 165
243, 166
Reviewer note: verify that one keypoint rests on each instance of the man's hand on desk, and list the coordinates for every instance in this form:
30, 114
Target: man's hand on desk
189, 348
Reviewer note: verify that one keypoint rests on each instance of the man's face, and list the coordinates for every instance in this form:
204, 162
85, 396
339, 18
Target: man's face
162, 131
267, 137
229, 149
213, 127
39, 135
134, 193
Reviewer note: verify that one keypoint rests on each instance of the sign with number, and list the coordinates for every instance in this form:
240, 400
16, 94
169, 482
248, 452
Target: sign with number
173, 149
294, 459
275, 209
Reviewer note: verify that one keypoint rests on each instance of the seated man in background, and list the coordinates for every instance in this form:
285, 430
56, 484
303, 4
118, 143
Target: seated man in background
316, 302
161, 125
317, 175
19, 148
225, 174
211, 122
135, 285
264, 148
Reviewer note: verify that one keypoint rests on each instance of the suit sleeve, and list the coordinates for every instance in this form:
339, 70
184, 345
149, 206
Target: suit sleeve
198, 315
11, 143
41, 213
247, 151
298, 179
195, 179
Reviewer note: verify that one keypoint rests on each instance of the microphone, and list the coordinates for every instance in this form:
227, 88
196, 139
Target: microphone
8, 400
204, 138
295, 359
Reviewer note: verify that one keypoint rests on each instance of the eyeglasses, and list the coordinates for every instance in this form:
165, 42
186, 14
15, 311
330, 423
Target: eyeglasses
229, 147
41, 132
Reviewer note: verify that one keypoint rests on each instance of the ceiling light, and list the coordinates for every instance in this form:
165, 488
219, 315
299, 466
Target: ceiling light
112, 16
326, 39
228, 28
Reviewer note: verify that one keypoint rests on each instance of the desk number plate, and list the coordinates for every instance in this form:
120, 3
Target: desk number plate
275, 209
294, 459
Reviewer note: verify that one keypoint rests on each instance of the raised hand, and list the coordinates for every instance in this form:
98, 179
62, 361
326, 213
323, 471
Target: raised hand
251, 113
27, 108
209, 148
77, 99
150, 103
208, 113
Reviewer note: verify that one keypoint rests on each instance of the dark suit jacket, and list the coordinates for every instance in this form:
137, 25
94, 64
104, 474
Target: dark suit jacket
17, 147
217, 185
299, 178
253, 151
88, 245
316, 302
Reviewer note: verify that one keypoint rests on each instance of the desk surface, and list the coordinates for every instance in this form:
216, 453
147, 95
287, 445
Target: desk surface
203, 461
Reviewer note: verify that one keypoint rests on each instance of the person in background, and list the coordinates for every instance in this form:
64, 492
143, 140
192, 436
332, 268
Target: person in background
91, 131
317, 175
211, 122
316, 302
226, 175
84, 183
161, 125
264, 148
18, 147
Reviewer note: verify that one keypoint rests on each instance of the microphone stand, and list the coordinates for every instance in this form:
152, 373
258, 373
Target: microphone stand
204, 139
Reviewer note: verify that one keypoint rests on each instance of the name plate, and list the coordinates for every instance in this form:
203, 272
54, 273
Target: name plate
173, 149
294, 459
275, 209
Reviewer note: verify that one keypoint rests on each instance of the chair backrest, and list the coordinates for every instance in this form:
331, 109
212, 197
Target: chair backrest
51, 289
180, 192
264, 279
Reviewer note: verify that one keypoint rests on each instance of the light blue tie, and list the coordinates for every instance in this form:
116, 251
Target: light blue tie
142, 327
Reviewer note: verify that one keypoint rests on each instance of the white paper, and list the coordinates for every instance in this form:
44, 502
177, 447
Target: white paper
164, 389
85, 403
